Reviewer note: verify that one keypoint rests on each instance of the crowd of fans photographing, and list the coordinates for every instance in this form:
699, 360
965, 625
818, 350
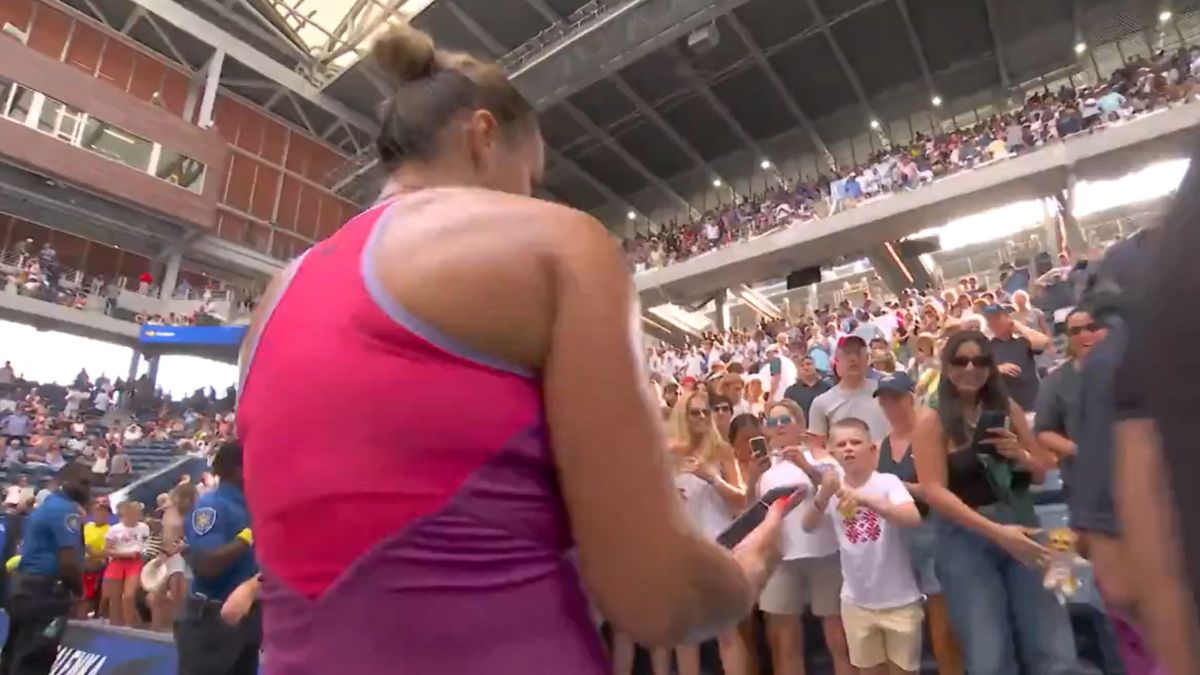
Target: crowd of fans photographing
1143, 85
837, 396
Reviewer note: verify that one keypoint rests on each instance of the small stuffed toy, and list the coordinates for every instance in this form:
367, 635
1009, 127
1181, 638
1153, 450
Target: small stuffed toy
1064, 561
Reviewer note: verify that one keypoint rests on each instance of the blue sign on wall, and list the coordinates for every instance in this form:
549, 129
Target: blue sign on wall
99, 650
215, 336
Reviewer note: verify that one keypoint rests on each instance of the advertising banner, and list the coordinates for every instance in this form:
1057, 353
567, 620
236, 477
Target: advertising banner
95, 649
192, 336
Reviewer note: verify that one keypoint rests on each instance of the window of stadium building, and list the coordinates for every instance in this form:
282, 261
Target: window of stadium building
116, 144
35, 110
179, 169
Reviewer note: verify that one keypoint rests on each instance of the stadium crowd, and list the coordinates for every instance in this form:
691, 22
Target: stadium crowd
42, 276
851, 401
1143, 85
47, 428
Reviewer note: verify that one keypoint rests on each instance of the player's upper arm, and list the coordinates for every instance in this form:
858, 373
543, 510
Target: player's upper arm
609, 442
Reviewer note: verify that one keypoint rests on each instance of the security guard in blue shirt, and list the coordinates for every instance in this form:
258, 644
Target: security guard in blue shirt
49, 577
220, 551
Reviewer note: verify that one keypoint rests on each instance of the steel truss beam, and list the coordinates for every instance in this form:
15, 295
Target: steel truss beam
634, 163
997, 43
598, 185
576, 114
918, 49
184, 19
622, 36
545, 11
648, 111
847, 69
700, 86
789, 100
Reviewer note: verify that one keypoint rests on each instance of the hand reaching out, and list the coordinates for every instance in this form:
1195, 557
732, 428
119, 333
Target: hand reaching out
1009, 369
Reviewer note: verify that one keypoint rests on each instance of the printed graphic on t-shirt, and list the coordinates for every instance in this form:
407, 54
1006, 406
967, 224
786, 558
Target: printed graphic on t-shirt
862, 526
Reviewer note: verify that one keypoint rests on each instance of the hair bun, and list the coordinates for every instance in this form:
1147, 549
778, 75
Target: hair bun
406, 53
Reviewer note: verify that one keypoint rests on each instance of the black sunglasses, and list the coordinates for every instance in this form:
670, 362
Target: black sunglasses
1091, 328
698, 412
964, 361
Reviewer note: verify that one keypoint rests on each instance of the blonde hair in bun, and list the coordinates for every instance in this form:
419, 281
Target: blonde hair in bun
406, 53
432, 86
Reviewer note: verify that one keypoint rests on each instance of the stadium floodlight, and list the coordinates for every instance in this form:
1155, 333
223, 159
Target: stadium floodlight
1164, 16
631, 215
1080, 47
936, 101
716, 182
874, 124
766, 164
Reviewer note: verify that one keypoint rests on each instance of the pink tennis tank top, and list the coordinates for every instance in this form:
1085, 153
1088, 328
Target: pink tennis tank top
406, 511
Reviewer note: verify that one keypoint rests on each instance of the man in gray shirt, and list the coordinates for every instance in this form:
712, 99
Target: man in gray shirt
1058, 423
854, 396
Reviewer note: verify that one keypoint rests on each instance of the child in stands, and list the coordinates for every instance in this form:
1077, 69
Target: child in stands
881, 602
122, 577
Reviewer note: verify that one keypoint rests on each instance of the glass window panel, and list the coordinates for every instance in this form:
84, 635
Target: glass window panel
115, 144
58, 120
181, 170
22, 102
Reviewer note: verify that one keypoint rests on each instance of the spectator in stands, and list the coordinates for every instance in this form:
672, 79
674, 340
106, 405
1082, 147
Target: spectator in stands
119, 466
133, 433
810, 575
1057, 419
23, 250
1015, 346
17, 426
896, 399
853, 396
19, 493
7, 375
13, 455
75, 397
49, 486
710, 483
112, 293
145, 281
100, 465
733, 387
95, 533
808, 386
123, 545
102, 401
881, 602
170, 599
997, 603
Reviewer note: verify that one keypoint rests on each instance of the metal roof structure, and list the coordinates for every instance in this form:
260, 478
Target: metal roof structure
642, 114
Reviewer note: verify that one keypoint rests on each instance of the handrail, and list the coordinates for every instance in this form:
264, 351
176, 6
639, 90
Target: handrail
167, 476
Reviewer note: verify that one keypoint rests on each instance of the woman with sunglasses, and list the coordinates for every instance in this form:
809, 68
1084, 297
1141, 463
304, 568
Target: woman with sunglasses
811, 571
710, 482
987, 561
722, 413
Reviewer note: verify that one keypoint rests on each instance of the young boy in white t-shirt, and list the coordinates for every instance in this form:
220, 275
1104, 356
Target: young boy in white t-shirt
881, 602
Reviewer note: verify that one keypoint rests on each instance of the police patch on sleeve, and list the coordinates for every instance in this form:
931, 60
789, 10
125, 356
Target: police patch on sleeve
71, 522
203, 520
